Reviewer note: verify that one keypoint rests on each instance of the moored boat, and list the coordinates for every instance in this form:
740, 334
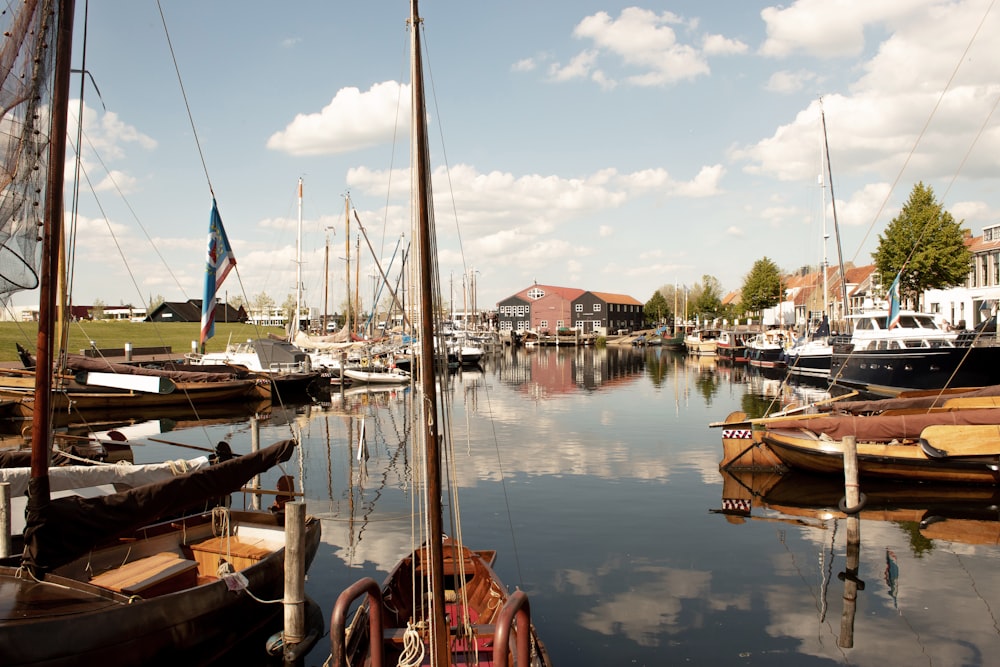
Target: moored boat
704, 341
766, 349
915, 354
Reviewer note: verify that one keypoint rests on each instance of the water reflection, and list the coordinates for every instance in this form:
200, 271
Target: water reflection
594, 474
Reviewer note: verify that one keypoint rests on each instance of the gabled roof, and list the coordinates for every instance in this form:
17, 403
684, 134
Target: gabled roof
608, 297
978, 245
190, 311
568, 293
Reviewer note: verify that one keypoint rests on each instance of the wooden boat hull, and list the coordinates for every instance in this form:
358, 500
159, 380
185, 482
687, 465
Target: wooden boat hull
807, 452
190, 626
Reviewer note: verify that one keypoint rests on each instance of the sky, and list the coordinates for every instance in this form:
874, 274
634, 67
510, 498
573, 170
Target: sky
614, 147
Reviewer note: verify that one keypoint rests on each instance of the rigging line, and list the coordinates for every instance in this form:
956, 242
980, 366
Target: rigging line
404, 68
444, 156
75, 202
187, 106
503, 483
923, 130
110, 175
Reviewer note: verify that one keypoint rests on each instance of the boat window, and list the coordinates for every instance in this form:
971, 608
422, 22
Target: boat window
908, 322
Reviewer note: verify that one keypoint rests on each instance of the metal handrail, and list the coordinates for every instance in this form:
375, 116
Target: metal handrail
338, 621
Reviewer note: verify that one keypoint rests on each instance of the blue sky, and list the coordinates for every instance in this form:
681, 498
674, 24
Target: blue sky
610, 146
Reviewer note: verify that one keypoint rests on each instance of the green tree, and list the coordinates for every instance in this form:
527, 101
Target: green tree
705, 299
761, 287
656, 309
926, 244
154, 302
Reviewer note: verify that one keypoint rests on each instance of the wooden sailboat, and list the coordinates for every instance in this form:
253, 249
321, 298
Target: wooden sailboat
442, 603
111, 580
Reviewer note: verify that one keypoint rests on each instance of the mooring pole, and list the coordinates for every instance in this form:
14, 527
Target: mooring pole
255, 447
295, 575
852, 501
4, 519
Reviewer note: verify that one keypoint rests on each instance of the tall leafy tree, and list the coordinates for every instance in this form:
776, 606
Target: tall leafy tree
762, 286
926, 244
656, 308
706, 298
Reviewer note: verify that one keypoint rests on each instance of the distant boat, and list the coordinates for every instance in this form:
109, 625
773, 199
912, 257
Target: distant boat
766, 349
732, 345
387, 376
704, 341
288, 367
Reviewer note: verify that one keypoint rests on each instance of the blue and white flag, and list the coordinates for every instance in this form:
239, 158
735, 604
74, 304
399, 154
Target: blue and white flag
894, 303
220, 261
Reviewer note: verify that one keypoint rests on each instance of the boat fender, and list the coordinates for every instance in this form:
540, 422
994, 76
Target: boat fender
842, 505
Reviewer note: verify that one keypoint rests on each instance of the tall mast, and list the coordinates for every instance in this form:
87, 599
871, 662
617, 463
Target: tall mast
440, 653
347, 259
826, 236
298, 270
39, 497
833, 205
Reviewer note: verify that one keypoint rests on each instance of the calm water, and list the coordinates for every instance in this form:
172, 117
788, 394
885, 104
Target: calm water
595, 475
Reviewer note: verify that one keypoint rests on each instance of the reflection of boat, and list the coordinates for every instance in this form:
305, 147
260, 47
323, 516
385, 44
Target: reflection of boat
444, 601
957, 513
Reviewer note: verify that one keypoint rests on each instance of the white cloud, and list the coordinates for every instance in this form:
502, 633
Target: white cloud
351, 121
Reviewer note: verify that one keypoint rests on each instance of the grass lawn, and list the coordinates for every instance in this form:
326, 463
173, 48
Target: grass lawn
114, 334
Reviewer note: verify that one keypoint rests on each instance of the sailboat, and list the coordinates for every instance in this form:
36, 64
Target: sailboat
139, 576
811, 355
443, 603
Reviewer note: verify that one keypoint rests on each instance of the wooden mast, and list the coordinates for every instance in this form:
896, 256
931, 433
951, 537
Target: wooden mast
440, 653
347, 260
51, 244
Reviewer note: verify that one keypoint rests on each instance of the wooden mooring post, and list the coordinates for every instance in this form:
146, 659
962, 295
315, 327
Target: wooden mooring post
852, 505
295, 577
5, 547
255, 447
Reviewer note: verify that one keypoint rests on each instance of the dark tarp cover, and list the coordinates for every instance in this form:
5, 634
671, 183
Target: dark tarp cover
885, 428
70, 527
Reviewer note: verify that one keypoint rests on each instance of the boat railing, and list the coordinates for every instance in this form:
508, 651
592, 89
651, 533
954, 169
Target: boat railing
516, 607
338, 621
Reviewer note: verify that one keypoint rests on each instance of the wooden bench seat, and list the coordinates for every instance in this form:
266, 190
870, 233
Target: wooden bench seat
151, 576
